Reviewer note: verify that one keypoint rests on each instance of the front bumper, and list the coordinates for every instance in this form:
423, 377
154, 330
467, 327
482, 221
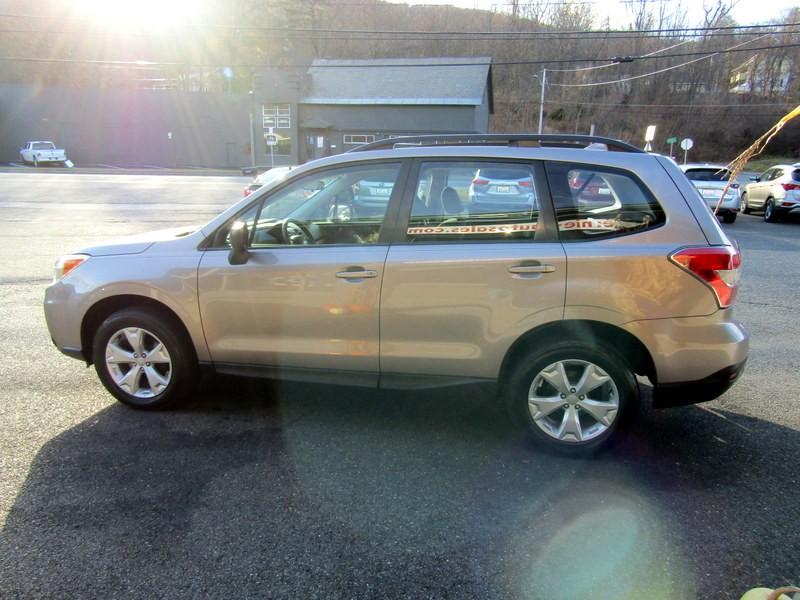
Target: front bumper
702, 390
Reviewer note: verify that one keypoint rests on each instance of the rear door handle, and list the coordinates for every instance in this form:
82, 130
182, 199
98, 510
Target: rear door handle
362, 274
523, 269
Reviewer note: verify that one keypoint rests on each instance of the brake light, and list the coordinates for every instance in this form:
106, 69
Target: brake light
716, 266
479, 181
247, 191
790, 186
525, 183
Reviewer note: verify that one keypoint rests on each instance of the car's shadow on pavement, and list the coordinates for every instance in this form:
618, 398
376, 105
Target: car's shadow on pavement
296, 491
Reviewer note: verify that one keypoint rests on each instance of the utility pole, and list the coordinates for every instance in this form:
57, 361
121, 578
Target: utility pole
541, 99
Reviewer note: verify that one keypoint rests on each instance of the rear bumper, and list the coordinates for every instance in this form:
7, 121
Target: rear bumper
692, 349
702, 390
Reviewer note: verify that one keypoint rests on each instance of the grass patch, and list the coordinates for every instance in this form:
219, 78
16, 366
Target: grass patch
762, 163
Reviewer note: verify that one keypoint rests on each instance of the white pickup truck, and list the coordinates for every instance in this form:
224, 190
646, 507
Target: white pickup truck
43, 152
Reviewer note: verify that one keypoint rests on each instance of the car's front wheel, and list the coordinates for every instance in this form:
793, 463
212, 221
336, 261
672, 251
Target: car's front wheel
571, 397
143, 360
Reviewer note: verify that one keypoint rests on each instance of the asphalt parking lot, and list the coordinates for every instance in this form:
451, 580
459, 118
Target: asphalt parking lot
267, 490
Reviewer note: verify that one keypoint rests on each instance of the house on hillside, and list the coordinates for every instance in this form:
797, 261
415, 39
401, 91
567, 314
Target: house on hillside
763, 78
335, 105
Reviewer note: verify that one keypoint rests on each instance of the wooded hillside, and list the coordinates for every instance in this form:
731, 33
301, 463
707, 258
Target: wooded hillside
714, 81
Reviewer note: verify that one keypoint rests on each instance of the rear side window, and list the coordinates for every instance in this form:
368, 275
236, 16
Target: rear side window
474, 201
594, 202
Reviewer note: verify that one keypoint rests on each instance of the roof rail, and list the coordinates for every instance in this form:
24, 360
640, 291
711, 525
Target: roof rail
550, 140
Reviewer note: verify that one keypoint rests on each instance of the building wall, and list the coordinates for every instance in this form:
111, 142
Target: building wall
193, 129
128, 127
420, 119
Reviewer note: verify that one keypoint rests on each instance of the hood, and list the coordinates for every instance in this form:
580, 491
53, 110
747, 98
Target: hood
135, 244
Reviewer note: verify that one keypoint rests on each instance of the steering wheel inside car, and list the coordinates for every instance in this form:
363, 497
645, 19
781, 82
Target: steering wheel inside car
295, 232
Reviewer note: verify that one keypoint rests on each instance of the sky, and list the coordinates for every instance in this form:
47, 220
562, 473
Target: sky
746, 12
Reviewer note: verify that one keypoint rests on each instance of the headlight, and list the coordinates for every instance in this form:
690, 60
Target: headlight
67, 263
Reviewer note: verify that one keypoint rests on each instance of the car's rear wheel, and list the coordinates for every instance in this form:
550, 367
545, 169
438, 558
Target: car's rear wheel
770, 216
729, 217
571, 397
143, 360
745, 208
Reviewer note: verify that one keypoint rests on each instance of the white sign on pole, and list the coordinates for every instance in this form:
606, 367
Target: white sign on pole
650, 133
686, 144
271, 139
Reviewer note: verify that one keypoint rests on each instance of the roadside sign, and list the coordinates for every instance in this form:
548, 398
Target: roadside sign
650, 133
271, 139
686, 144
672, 140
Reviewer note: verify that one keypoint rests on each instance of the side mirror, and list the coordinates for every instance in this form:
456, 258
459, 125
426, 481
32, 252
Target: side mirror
239, 236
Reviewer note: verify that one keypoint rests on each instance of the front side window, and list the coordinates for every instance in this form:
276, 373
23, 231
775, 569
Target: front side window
474, 201
595, 202
328, 207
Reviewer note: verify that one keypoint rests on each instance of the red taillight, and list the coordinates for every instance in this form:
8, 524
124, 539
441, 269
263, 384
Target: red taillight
247, 191
717, 266
480, 182
791, 186
525, 183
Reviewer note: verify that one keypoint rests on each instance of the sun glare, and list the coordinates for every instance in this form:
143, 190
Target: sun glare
140, 14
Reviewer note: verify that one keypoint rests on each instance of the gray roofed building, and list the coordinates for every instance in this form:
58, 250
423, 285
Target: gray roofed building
335, 105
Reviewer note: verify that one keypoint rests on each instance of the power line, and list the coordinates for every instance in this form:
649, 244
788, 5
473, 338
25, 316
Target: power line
441, 36
659, 71
350, 32
619, 61
464, 63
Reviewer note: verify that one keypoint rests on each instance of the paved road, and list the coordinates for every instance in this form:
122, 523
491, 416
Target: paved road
264, 490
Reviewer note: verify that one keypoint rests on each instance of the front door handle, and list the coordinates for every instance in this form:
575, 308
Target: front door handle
362, 274
524, 269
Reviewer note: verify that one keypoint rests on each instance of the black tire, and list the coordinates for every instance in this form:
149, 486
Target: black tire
729, 217
183, 361
770, 215
745, 208
524, 374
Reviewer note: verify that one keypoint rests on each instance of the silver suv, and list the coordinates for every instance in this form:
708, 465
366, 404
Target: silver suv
615, 270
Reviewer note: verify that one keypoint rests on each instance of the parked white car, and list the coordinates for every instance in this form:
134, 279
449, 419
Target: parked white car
41, 152
711, 180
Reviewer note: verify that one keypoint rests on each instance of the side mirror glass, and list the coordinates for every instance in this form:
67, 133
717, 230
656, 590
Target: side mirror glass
239, 237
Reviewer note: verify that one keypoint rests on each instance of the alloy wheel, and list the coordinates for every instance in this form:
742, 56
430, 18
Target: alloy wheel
573, 400
138, 362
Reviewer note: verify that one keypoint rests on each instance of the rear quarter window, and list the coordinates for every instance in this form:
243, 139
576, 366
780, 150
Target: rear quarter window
594, 202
